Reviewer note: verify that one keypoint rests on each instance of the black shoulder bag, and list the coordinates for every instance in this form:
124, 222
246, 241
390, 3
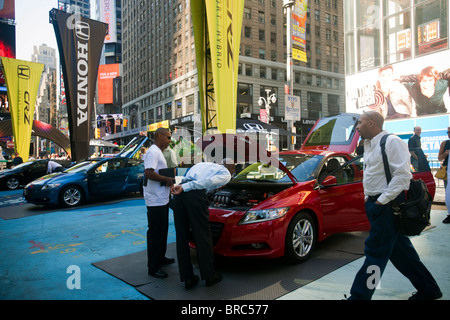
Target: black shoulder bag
413, 214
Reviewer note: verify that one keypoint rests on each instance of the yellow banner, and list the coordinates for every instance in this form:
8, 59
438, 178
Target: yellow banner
22, 81
224, 24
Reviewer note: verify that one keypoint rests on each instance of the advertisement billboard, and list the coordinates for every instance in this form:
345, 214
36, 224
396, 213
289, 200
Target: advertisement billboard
106, 75
7, 10
299, 15
7, 45
409, 89
108, 16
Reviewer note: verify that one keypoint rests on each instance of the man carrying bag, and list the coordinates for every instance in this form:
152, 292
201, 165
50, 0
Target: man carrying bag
384, 242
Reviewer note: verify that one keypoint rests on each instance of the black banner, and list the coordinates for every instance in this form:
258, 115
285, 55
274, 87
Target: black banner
80, 42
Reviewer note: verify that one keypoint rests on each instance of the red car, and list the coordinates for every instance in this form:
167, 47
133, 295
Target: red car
284, 208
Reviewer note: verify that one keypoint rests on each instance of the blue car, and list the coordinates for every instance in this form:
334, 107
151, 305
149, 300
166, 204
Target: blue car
90, 179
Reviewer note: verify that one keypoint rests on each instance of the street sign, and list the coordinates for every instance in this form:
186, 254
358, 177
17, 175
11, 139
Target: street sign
292, 107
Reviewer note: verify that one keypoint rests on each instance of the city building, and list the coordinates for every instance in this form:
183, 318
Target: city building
45, 55
46, 98
392, 47
160, 74
82, 7
109, 81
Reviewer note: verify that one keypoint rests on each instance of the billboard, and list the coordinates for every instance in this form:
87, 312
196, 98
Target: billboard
299, 14
7, 10
108, 16
106, 75
7, 45
409, 89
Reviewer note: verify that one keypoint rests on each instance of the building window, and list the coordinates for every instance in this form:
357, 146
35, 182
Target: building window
248, 51
262, 35
249, 70
273, 55
262, 72
333, 104
262, 54
431, 26
248, 13
261, 17
398, 37
274, 74
247, 32
314, 105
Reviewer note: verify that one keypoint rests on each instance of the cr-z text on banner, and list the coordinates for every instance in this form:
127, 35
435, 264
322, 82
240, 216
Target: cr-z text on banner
22, 81
80, 42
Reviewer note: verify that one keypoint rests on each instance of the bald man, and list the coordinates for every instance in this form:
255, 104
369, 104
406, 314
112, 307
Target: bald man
384, 243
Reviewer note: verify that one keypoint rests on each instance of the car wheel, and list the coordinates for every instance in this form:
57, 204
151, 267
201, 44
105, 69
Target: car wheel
71, 196
300, 238
12, 183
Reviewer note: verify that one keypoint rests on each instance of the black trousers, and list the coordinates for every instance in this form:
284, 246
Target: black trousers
158, 227
190, 210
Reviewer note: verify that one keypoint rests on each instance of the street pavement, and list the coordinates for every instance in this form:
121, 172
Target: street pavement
39, 253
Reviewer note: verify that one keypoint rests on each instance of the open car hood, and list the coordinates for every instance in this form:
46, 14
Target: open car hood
336, 133
241, 149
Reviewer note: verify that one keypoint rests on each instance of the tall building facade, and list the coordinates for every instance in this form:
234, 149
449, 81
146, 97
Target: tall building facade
46, 99
160, 75
78, 6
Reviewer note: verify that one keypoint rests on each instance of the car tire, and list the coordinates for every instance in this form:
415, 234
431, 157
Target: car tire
12, 183
71, 196
300, 238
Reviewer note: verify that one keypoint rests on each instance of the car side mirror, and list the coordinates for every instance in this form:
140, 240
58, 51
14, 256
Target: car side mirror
329, 181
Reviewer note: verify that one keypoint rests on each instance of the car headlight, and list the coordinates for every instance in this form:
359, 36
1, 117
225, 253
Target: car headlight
254, 216
51, 186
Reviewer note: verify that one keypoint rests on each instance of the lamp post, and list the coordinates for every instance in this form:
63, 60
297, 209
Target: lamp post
287, 5
270, 98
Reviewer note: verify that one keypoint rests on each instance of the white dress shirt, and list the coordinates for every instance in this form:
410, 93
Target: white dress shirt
398, 156
205, 175
154, 193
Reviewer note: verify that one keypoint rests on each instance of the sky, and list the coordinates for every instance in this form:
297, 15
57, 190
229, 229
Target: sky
33, 27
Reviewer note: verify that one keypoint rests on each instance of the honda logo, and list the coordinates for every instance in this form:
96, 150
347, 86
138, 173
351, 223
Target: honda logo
23, 72
253, 126
82, 30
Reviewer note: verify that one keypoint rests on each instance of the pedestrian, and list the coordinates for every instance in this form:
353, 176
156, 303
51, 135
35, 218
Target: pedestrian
54, 166
17, 159
171, 157
156, 195
384, 243
443, 156
190, 210
415, 146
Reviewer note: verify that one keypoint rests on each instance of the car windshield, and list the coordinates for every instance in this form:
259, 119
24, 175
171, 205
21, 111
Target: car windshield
82, 166
337, 130
303, 166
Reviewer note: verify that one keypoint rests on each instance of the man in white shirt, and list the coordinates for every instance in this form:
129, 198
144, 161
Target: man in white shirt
190, 209
157, 201
53, 166
384, 243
